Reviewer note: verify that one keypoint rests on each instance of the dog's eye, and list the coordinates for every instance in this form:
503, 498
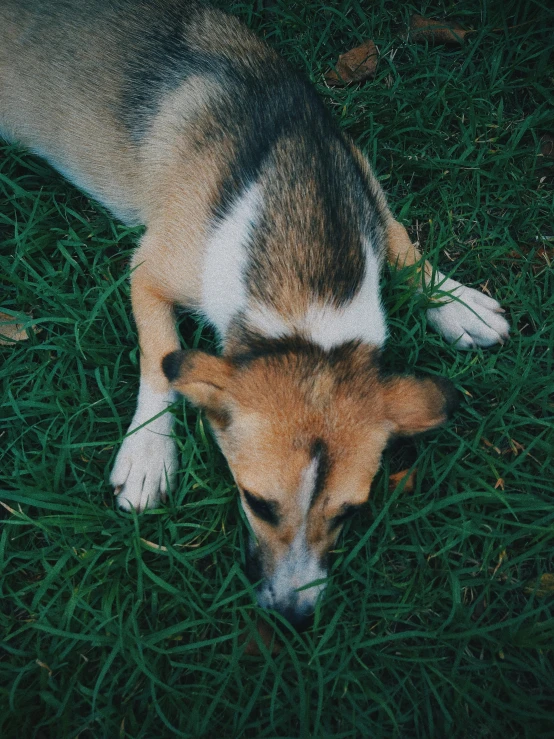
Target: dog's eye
347, 512
264, 509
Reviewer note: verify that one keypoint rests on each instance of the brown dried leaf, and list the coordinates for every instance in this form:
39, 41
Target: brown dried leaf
44, 666
355, 65
516, 447
490, 445
7, 507
502, 557
397, 477
11, 330
153, 545
427, 29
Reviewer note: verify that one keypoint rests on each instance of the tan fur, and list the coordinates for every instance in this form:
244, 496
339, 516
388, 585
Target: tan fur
156, 326
229, 39
402, 253
170, 257
413, 406
44, 110
373, 183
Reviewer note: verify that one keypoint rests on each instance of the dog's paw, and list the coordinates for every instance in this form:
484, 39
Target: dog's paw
146, 465
469, 319
144, 470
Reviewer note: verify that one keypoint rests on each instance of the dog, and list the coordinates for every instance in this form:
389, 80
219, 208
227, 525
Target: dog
263, 218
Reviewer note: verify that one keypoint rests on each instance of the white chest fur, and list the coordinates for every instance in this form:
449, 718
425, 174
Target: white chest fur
225, 294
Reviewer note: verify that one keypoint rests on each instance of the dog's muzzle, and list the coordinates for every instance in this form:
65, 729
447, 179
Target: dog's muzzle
285, 590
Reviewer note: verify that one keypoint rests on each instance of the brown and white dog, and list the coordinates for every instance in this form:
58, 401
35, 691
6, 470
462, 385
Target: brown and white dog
262, 217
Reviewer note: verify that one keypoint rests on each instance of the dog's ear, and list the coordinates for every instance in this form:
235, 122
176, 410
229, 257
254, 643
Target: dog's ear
201, 377
413, 406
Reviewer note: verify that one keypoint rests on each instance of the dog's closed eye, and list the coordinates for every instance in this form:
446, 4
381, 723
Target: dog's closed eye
266, 510
347, 511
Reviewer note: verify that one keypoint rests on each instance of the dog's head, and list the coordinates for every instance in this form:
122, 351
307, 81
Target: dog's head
303, 431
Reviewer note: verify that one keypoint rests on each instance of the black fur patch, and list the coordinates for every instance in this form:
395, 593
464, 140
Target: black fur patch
320, 452
317, 211
256, 112
266, 510
348, 511
157, 62
257, 346
172, 364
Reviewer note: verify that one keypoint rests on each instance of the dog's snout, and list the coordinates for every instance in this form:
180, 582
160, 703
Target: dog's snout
300, 620
293, 585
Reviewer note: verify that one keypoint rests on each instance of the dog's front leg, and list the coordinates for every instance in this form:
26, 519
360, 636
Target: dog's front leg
146, 464
464, 316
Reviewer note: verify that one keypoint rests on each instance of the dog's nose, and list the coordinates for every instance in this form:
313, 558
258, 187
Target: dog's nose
300, 620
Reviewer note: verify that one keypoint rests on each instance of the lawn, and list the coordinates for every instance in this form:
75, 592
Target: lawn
438, 617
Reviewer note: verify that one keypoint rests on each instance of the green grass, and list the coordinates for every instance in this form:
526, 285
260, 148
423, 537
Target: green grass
432, 624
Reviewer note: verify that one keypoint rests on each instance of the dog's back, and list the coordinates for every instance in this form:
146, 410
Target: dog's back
137, 102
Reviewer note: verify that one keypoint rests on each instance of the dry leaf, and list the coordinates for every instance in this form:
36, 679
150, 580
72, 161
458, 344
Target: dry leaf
153, 545
426, 29
516, 447
266, 633
490, 445
11, 330
44, 667
541, 587
356, 65
396, 479
7, 507
502, 557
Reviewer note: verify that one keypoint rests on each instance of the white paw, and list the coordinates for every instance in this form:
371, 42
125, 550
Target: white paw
146, 465
144, 470
469, 319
